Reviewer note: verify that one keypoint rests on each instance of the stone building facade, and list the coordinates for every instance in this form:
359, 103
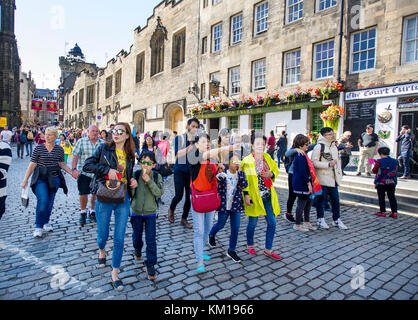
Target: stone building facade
251, 48
27, 93
9, 65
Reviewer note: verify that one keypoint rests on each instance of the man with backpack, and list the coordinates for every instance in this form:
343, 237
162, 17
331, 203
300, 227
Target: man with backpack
29, 143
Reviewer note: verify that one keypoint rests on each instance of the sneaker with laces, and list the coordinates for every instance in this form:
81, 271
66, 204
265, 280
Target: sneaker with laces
83, 218
300, 227
289, 217
233, 255
322, 224
339, 224
92, 216
310, 227
212, 242
48, 228
37, 233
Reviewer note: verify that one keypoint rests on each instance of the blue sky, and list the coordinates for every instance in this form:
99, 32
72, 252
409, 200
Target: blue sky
100, 27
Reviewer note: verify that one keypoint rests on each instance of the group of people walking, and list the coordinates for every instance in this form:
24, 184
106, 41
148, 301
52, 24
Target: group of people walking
225, 177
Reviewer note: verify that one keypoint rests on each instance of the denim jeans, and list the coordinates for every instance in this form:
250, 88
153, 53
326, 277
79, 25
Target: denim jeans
150, 223
29, 145
44, 202
103, 215
235, 223
271, 225
2, 206
335, 202
202, 223
407, 166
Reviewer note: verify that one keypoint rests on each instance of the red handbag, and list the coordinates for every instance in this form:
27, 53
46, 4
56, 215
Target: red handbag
205, 201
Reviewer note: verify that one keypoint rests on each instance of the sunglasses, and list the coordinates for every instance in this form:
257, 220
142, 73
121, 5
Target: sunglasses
235, 162
118, 132
146, 163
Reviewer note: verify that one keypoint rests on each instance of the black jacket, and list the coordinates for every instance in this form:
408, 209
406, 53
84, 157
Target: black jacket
46, 174
102, 161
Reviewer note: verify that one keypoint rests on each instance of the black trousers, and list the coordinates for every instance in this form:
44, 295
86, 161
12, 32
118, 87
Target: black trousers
181, 183
292, 196
344, 162
390, 190
303, 206
2, 206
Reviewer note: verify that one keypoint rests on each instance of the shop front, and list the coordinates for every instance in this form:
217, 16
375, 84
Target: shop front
388, 108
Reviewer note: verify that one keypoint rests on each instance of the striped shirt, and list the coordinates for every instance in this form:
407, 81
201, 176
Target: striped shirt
85, 149
43, 158
5, 161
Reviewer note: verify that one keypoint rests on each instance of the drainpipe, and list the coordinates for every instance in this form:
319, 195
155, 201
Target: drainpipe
341, 34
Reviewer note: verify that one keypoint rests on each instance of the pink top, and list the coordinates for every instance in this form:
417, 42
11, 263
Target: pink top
164, 146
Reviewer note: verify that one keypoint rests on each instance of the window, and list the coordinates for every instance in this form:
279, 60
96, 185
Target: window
109, 86
205, 3
72, 104
234, 81
258, 120
215, 1
81, 97
216, 37
90, 94
236, 29
317, 123
296, 114
324, 60
259, 74
292, 67
261, 17
179, 47
157, 52
363, 51
233, 122
118, 81
204, 45
76, 100
325, 4
410, 40
140, 65
294, 10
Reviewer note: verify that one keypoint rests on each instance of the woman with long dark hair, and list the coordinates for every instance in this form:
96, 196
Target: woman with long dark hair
113, 160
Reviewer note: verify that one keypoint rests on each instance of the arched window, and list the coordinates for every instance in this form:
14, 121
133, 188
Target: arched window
157, 48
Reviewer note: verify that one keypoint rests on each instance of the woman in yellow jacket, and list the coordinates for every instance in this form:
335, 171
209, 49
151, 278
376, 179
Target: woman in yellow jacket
67, 146
260, 195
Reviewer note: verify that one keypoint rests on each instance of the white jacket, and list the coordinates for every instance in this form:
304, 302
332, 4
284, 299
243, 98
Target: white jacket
327, 176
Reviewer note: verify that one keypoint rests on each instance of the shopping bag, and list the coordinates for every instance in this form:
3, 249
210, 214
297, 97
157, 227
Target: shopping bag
25, 196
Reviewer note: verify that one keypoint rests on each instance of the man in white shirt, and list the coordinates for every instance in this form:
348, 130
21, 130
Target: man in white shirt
6, 135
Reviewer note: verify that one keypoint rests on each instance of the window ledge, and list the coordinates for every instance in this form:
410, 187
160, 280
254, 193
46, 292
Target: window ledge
260, 34
178, 67
157, 74
295, 22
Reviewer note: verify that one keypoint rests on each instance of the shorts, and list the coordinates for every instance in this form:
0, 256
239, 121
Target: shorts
83, 184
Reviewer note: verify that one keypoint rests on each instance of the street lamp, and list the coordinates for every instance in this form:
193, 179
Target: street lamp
194, 90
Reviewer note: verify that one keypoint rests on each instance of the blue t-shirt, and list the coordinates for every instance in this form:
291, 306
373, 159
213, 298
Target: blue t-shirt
182, 163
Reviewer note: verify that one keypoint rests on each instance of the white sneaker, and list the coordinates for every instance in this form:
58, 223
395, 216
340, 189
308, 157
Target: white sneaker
300, 227
339, 224
48, 228
310, 227
322, 224
37, 233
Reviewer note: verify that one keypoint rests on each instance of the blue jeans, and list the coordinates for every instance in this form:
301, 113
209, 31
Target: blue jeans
335, 202
235, 223
407, 166
29, 145
202, 223
45, 201
103, 215
150, 223
271, 225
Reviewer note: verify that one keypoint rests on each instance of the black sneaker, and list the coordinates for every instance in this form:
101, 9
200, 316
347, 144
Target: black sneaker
233, 255
289, 217
152, 275
212, 242
92, 216
83, 218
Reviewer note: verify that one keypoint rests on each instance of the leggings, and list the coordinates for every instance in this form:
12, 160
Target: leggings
292, 196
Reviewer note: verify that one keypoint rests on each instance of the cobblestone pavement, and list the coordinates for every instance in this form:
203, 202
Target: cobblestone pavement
317, 265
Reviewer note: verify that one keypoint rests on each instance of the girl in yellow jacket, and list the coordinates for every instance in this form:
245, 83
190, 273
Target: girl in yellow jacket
260, 196
67, 146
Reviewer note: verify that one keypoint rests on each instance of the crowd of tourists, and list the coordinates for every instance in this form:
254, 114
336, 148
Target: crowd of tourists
219, 178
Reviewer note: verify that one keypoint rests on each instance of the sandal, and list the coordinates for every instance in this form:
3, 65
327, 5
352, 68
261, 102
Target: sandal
118, 285
206, 257
272, 254
101, 262
251, 250
200, 268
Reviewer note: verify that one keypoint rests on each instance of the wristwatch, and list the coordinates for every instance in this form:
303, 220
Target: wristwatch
73, 169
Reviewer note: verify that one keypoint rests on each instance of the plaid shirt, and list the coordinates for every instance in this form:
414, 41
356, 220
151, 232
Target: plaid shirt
85, 149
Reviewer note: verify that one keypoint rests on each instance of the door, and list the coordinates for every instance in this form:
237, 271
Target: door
410, 119
177, 121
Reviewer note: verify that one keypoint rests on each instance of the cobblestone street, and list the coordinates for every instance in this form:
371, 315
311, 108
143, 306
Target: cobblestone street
316, 265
